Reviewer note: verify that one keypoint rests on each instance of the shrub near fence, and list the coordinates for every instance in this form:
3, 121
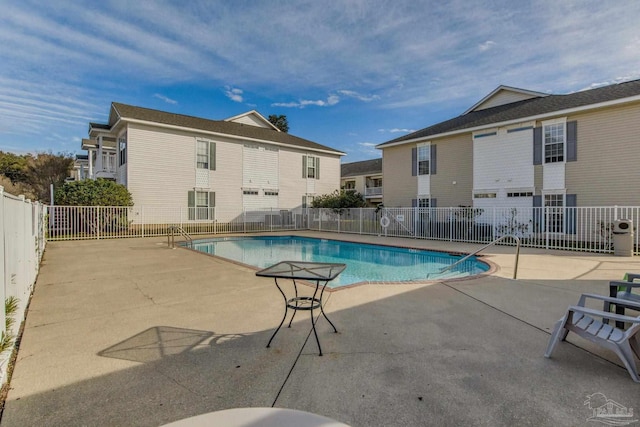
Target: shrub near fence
22, 227
582, 229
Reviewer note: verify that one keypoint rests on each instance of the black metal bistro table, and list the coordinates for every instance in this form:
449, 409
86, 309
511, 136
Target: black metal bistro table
319, 272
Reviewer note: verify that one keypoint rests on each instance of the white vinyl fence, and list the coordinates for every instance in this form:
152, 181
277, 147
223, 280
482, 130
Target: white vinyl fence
575, 228
22, 243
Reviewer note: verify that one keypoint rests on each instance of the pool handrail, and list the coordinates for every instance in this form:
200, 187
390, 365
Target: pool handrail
515, 269
171, 235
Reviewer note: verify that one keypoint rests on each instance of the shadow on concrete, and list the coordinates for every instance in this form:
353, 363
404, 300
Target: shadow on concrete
430, 356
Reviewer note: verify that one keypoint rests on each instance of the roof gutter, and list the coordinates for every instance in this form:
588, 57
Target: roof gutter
514, 121
224, 135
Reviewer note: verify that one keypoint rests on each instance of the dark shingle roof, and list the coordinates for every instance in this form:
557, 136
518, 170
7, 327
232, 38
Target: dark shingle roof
218, 126
526, 108
365, 167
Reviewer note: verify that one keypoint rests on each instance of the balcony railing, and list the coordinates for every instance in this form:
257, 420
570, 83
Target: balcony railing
373, 192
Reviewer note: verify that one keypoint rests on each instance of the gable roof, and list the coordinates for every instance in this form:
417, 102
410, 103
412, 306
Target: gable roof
526, 109
502, 90
365, 167
254, 116
123, 112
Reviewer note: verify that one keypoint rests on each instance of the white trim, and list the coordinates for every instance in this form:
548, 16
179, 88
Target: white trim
514, 121
260, 116
505, 88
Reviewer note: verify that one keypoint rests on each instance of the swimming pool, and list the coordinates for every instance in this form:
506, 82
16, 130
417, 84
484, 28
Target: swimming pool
365, 262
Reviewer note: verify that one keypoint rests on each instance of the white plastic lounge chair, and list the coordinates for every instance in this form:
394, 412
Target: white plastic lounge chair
589, 324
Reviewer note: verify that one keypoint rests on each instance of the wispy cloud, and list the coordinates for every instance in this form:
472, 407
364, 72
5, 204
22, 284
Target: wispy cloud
397, 130
234, 94
165, 99
486, 45
358, 96
331, 100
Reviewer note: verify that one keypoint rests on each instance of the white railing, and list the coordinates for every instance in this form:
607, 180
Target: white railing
22, 243
98, 222
582, 229
373, 191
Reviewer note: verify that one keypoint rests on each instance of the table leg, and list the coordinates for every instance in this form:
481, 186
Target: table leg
313, 320
322, 310
295, 287
286, 309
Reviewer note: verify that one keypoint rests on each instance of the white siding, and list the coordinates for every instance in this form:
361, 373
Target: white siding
503, 163
424, 185
251, 120
162, 170
553, 176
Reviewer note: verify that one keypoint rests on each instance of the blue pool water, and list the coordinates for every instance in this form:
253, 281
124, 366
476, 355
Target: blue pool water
365, 262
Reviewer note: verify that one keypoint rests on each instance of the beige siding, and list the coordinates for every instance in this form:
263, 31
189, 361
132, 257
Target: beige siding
606, 172
454, 160
399, 186
503, 97
454, 157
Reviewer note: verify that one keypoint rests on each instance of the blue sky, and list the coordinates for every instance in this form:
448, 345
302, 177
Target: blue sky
347, 74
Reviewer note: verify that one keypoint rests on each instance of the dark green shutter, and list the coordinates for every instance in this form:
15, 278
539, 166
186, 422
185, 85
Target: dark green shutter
191, 204
571, 201
317, 167
432, 162
212, 199
212, 156
304, 166
414, 161
414, 203
537, 145
572, 141
433, 203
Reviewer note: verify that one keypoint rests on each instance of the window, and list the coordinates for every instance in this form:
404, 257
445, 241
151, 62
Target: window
424, 157
201, 205
350, 185
424, 203
270, 192
311, 167
484, 195
307, 201
555, 212
554, 140
250, 192
202, 155
122, 150
520, 194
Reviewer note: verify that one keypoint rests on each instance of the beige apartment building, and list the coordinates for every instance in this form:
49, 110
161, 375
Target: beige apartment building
365, 177
520, 148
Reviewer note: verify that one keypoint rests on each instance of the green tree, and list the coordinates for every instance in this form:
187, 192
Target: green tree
46, 169
339, 200
280, 122
13, 167
99, 192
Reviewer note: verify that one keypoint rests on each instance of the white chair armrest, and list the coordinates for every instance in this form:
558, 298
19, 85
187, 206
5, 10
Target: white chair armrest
603, 314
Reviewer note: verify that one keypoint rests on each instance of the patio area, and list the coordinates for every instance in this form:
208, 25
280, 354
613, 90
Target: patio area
129, 332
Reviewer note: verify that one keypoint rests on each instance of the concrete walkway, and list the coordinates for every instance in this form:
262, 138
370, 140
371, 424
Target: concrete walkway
128, 332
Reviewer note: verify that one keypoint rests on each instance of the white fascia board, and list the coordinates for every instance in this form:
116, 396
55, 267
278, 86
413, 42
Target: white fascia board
225, 135
518, 120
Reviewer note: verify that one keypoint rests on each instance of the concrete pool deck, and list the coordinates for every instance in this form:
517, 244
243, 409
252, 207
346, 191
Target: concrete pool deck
128, 332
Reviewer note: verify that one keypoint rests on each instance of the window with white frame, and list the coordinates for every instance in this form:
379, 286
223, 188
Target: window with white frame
311, 166
424, 158
349, 185
122, 149
424, 202
554, 142
202, 205
202, 155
